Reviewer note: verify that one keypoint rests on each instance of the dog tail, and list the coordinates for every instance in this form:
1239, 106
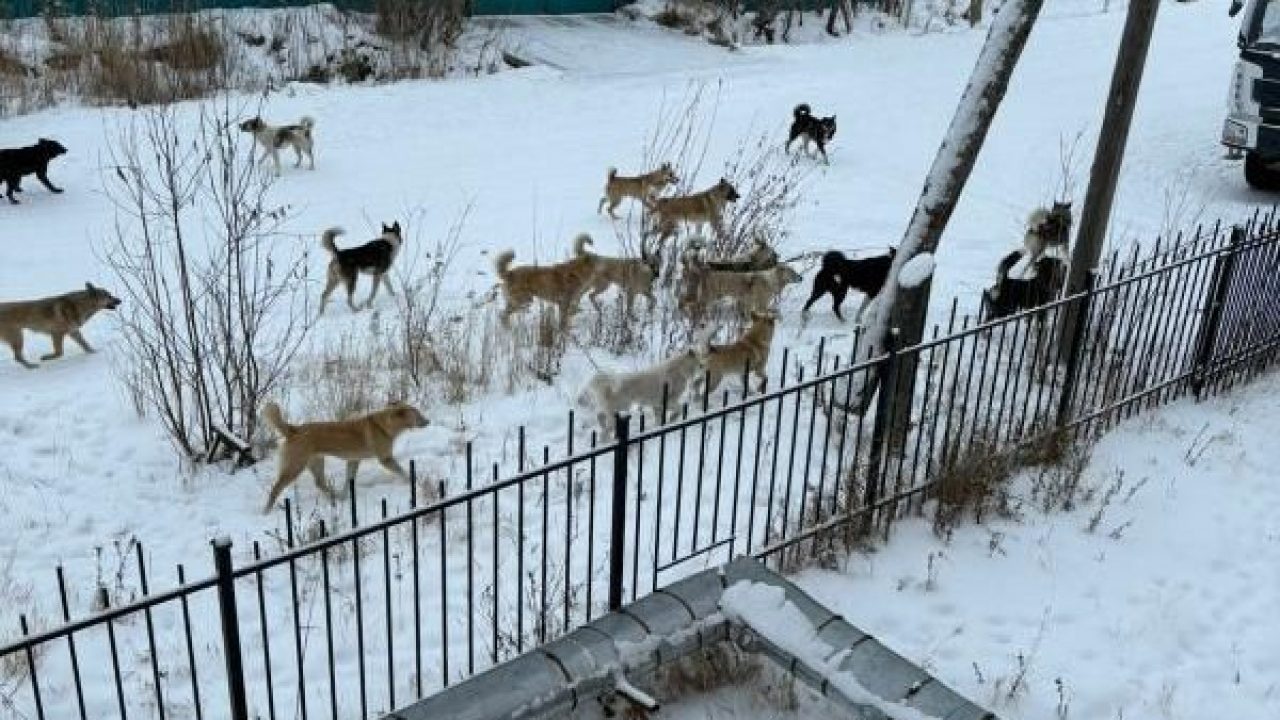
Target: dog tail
580, 244
502, 263
328, 237
271, 413
802, 110
613, 173
306, 123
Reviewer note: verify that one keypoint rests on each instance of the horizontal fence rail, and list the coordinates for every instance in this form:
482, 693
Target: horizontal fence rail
355, 621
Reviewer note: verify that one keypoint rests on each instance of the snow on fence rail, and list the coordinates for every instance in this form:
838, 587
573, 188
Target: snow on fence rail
356, 621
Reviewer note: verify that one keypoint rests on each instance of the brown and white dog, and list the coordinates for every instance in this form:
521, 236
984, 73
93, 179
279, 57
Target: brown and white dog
561, 284
749, 353
638, 187
755, 291
273, 138
368, 437
632, 276
702, 208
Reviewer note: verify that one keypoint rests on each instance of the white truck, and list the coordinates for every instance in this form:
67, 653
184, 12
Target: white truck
1252, 127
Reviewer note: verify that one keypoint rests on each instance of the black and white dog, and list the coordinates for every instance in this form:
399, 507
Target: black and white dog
372, 258
273, 138
17, 163
839, 274
1013, 294
819, 131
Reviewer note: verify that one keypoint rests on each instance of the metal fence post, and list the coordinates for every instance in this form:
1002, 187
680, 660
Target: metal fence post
1207, 338
880, 428
230, 628
618, 527
1075, 350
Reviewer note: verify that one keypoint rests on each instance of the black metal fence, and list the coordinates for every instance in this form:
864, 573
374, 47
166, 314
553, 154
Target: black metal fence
353, 623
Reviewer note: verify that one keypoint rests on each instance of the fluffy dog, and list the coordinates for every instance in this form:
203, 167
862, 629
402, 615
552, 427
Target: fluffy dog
58, 317
612, 393
755, 291
639, 187
839, 274
273, 138
818, 131
368, 437
633, 276
703, 208
1013, 294
750, 352
17, 163
1048, 229
372, 258
561, 284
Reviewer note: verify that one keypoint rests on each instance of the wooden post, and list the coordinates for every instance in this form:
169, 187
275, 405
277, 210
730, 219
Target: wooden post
1109, 156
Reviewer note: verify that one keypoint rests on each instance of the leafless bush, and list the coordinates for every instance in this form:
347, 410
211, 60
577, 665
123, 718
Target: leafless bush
427, 25
213, 310
974, 480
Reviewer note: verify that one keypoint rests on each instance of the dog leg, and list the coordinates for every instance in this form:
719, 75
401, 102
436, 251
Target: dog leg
838, 294
11, 189
330, 286
44, 179
297, 153
350, 282
377, 283
57, 349
13, 337
823, 150
290, 468
316, 466
866, 302
393, 467
84, 345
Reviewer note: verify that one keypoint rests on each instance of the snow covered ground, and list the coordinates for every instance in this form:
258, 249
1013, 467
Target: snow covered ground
527, 151
1153, 599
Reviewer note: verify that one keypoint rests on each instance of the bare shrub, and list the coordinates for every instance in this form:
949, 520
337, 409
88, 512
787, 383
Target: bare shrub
975, 480
213, 310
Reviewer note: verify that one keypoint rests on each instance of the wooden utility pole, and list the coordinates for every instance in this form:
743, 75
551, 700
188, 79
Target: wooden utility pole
905, 308
1109, 155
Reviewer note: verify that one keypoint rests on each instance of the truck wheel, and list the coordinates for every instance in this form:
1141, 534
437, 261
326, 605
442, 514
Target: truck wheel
1259, 175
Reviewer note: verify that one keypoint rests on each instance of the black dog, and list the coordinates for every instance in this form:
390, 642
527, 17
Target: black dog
819, 131
1011, 295
840, 274
17, 163
373, 258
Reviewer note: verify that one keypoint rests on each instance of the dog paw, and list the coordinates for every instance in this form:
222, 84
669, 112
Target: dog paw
57, 191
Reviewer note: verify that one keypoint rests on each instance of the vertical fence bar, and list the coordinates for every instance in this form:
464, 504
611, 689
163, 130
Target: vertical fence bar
1078, 330
191, 649
71, 643
1208, 337
618, 522
262, 630
230, 628
297, 613
31, 669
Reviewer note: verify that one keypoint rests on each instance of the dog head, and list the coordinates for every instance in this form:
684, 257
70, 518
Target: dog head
727, 190
253, 125
666, 175
828, 125
788, 275
393, 233
1057, 222
405, 416
101, 299
50, 148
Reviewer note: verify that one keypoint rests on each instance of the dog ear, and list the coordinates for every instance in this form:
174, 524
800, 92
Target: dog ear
89, 286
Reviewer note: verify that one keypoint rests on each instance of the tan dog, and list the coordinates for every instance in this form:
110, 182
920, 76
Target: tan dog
368, 437
755, 291
633, 276
703, 208
639, 187
561, 284
750, 352
58, 317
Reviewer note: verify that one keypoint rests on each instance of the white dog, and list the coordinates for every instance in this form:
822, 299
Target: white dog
612, 393
272, 138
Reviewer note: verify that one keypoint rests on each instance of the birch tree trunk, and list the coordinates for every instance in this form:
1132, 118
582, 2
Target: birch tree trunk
904, 308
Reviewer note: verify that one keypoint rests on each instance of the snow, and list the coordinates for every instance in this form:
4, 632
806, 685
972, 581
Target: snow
916, 270
82, 475
1164, 610
765, 609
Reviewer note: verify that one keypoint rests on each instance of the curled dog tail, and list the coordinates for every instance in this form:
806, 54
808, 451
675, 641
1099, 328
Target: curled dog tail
802, 110
306, 123
580, 244
502, 263
271, 413
328, 237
